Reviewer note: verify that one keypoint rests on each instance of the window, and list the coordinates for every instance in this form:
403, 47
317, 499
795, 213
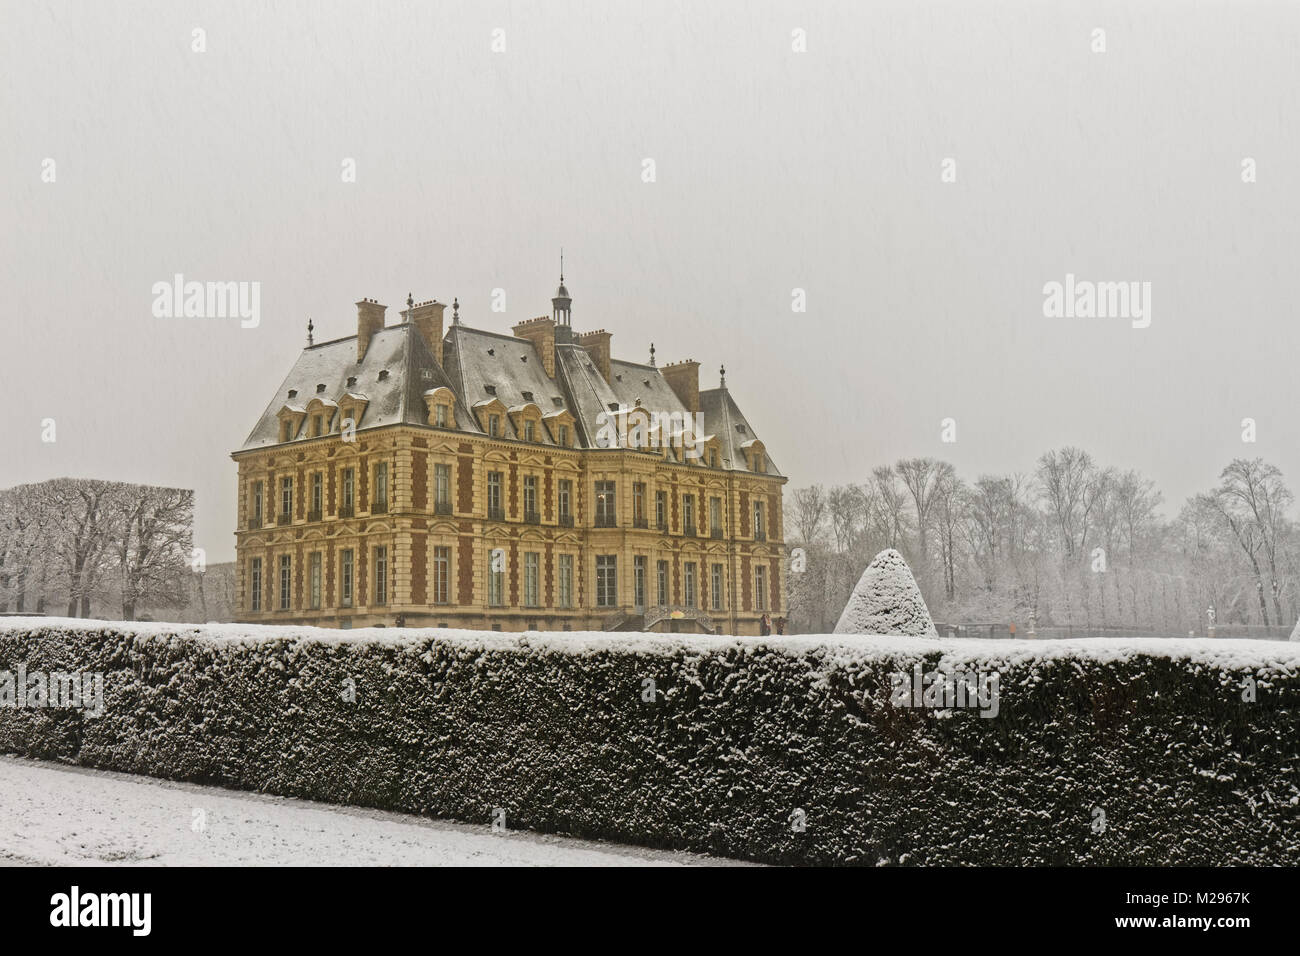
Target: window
715, 517
317, 426
638, 504
528, 431
605, 504
716, 587
442, 488
349, 491
566, 580
441, 575
379, 501
495, 510
713, 458
638, 580
286, 581
440, 415
566, 501
494, 425
345, 578
286, 499
317, 494
661, 510
530, 498
314, 579
496, 582
661, 574
381, 575
689, 584
257, 503
285, 432
688, 514
758, 521
531, 564
564, 435
255, 584
760, 588
606, 580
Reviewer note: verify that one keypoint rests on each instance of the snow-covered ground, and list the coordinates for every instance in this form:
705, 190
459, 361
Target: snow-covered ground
61, 815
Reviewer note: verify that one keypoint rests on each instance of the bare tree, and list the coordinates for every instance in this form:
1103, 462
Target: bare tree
151, 539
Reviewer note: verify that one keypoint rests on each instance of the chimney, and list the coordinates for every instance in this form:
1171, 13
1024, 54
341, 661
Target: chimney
427, 317
541, 332
684, 379
597, 345
370, 319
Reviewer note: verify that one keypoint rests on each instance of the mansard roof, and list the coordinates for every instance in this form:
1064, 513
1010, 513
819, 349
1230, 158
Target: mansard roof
479, 366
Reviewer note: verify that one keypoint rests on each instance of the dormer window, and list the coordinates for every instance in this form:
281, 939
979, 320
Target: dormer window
564, 435
528, 396
490, 389
440, 415
529, 432
383, 375
494, 425
286, 431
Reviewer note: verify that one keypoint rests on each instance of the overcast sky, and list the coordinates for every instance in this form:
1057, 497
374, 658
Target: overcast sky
775, 170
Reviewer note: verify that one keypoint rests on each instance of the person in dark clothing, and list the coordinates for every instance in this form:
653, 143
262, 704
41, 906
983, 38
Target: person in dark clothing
764, 625
780, 625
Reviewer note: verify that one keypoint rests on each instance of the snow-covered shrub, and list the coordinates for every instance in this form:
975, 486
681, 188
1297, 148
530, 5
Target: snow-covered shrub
786, 750
886, 600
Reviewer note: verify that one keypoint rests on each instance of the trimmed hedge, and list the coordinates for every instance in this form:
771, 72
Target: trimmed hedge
555, 730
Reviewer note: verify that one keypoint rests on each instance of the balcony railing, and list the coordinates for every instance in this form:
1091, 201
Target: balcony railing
346, 511
662, 525
442, 508
283, 518
496, 514
760, 535
688, 529
254, 522
379, 508
566, 521
314, 515
716, 533
606, 521
532, 517
641, 522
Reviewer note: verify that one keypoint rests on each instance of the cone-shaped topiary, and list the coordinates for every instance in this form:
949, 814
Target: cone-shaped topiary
1295, 632
886, 601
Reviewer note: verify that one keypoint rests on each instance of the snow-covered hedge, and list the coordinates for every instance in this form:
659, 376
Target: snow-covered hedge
787, 750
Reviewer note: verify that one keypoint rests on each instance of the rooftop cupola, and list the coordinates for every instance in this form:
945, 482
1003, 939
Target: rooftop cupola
562, 303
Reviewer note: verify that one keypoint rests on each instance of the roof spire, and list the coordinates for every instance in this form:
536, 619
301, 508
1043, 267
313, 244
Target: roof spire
455, 311
652, 355
310, 329
722, 375
561, 265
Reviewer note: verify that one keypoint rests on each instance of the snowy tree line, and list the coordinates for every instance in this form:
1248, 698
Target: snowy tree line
71, 546
1073, 545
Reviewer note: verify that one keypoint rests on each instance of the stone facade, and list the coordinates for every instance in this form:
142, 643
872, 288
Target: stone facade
368, 505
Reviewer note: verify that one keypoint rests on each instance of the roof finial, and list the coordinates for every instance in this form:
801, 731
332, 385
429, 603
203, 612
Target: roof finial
652, 355
410, 301
455, 311
722, 374
310, 328
561, 265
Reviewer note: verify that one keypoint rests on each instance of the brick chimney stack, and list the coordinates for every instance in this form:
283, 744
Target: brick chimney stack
684, 379
370, 319
427, 318
541, 332
597, 346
